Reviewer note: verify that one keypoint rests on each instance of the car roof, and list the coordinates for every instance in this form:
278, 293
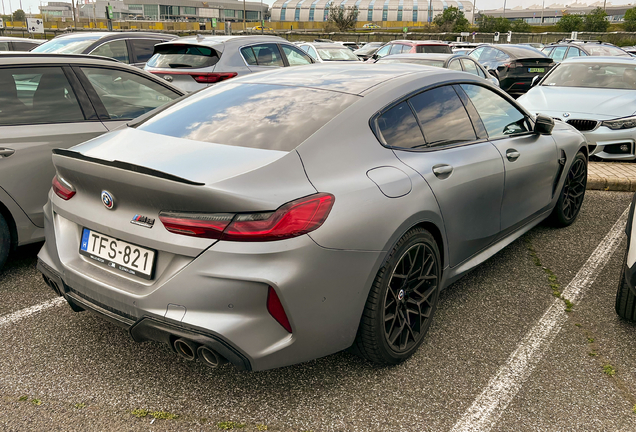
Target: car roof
326, 45
219, 40
13, 57
19, 39
102, 35
600, 59
353, 77
420, 42
427, 56
518, 50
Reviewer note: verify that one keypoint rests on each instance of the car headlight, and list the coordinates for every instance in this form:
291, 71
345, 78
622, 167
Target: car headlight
621, 123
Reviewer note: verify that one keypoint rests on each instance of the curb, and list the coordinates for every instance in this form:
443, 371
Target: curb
611, 183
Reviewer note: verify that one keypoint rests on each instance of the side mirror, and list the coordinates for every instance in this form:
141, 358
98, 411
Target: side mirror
535, 80
492, 72
543, 125
375, 57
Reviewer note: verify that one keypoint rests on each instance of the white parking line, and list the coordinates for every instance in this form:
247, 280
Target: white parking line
504, 386
25, 313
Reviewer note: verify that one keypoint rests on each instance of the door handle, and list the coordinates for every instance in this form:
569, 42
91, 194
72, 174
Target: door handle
6, 152
512, 155
442, 171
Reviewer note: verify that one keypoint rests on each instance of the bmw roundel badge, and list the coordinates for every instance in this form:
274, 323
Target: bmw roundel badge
108, 200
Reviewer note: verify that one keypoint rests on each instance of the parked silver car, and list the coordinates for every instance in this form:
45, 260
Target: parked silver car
134, 48
284, 216
596, 95
195, 62
323, 52
625, 305
10, 43
50, 101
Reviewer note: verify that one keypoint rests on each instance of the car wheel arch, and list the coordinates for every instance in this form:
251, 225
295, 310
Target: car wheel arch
13, 229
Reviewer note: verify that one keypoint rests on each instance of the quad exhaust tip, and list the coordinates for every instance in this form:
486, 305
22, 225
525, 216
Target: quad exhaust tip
191, 351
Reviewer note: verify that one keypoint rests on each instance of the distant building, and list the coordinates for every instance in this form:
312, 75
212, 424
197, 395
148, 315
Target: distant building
369, 10
57, 10
161, 10
536, 15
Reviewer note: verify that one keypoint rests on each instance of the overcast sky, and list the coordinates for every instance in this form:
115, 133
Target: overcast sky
31, 6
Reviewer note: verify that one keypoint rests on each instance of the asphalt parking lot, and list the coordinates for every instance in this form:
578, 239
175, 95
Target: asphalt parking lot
66, 371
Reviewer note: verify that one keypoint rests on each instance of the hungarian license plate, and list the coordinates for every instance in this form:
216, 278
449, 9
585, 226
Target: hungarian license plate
536, 69
117, 254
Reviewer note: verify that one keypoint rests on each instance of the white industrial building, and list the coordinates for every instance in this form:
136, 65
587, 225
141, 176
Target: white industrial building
369, 10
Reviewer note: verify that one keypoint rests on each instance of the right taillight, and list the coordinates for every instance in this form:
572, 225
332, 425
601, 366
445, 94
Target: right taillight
62, 188
291, 220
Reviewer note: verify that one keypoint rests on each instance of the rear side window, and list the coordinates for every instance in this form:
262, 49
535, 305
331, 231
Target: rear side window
261, 116
295, 57
126, 95
262, 55
443, 117
434, 49
178, 56
37, 95
4, 46
399, 127
115, 49
470, 66
23, 46
144, 48
558, 53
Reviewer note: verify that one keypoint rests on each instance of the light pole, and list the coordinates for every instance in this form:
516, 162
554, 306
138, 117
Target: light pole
504, 11
262, 19
244, 15
542, 8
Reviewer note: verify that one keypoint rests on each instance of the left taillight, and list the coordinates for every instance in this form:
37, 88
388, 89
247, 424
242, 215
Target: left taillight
62, 188
291, 220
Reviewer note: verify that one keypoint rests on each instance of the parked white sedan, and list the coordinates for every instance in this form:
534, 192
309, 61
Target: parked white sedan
597, 96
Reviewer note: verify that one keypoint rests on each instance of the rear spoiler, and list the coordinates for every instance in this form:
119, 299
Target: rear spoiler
125, 166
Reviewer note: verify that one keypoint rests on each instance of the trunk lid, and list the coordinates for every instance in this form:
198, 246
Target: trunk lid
146, 173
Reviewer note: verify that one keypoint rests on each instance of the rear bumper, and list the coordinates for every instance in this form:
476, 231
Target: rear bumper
221, 297
145, 328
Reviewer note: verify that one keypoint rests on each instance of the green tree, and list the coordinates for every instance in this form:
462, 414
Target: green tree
490, 24
570, 23
520, 26
19, 15
630, 20
595, 21
342, 17
452, 19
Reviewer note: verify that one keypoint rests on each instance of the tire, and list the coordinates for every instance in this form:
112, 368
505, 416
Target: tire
572, 194
625, 298
409, 299
5, 241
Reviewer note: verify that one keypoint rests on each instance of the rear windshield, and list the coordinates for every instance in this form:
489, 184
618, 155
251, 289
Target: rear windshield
177, 56
337, 54
259, 116
593, 75
434, 49
605, 50
369, 48
521, 52
67, 45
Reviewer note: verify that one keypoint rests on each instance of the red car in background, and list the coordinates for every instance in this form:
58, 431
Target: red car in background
409, 46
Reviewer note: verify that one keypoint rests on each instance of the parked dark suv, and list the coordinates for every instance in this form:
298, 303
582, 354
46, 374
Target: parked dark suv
575, 48
134, 48
514, 66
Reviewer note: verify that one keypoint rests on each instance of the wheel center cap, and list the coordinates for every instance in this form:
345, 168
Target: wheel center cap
401, 295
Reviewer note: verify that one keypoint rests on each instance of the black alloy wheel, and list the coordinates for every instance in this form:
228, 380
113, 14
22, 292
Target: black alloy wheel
402, 300
572, 194
408, 299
